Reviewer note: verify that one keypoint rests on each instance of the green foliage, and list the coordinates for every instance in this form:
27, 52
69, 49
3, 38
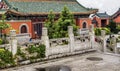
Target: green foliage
1, 41
50, 24
98, 31
59, 29
118, 39
107, 30
32, 49
5, 41
20, 53
66, 19
3, 24
118, 27
40, 50
6, 58
1, 50
113, 27
32, 59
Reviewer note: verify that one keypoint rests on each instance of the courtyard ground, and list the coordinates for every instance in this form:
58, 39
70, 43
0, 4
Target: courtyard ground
77, 63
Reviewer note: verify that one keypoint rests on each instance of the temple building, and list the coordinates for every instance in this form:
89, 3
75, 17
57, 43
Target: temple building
116, 17
28, 16
100, 19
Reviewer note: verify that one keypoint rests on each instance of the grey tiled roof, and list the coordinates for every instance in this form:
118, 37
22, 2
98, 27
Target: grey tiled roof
46, 6
103, 15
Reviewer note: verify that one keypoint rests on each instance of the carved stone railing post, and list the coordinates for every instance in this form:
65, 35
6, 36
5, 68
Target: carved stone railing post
115, 45
92, 36
13, 42
71, 37
117, 48
104, 40
45, 40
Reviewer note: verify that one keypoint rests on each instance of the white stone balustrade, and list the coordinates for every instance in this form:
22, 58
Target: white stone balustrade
56, 46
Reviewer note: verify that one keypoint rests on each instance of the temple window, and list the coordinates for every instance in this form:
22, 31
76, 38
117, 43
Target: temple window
23, 29
84, 25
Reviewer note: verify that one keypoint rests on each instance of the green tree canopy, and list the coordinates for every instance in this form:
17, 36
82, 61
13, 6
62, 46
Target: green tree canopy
50, 24
113, 27
59, 28
3, 24
66, 19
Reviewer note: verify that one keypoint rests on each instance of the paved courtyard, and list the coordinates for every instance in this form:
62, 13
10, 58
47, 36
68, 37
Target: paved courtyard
78, 63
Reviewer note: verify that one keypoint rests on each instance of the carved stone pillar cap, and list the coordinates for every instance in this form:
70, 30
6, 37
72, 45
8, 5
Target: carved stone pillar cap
12, 32
44, 31
70, 29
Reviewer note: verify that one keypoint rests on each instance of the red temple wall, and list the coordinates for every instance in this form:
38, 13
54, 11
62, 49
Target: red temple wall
17, 24
99, 20
80, 21
117, 19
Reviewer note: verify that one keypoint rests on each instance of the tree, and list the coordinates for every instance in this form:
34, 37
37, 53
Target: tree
59, 29
50, 24
113, 27
66, 19
3, 24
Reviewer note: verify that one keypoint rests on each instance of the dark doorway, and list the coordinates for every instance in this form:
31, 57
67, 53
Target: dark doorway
38, 30
84, 25
23, 29
103, 23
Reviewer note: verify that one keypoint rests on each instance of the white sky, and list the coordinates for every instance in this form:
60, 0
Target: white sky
110, 6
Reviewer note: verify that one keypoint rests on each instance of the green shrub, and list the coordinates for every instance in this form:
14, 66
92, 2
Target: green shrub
20, 53
32, 49
40, 50
1, 50
118, 39
6, 58
98, 31
1, 41
107, 30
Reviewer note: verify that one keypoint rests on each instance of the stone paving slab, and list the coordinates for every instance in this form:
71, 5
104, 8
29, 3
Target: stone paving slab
78, 63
